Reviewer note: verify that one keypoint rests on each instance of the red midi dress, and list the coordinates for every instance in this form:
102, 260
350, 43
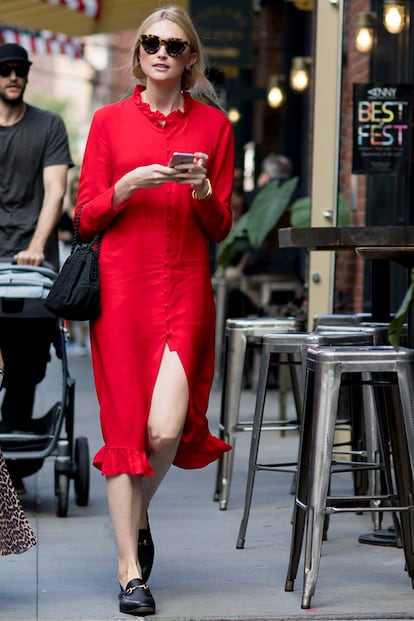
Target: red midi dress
155, 273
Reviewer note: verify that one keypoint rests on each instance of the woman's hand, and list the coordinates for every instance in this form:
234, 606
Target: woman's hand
196, 173
155, 175
142, 177
150, 176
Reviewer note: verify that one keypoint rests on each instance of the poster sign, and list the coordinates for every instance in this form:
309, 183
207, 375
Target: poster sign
382, 129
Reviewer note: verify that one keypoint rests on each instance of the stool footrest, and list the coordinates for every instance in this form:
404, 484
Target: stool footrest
330, 510
285, 467
334, 510
353, 466
275, 425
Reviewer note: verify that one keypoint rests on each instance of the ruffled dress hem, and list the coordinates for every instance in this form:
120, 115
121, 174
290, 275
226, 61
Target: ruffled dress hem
191, 456
114, 461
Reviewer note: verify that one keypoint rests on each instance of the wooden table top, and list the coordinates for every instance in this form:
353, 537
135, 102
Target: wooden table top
347, 237
401, 254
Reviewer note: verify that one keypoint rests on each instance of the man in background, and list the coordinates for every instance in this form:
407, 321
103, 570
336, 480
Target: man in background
34, 160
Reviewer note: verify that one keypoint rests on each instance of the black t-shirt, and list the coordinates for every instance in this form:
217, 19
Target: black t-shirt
38, 140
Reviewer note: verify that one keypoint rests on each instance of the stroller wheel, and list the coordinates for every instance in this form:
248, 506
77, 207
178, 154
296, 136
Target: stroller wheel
81, 471
62, 493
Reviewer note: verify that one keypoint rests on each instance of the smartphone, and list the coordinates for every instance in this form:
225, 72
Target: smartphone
181, 158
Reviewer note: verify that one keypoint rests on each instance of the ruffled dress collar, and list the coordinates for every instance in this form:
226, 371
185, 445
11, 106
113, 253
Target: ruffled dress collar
157, 116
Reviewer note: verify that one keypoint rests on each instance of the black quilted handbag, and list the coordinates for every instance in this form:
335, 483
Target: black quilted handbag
75, 293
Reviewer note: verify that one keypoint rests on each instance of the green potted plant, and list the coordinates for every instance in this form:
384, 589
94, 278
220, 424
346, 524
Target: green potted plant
255, 227
397, 323
300, 214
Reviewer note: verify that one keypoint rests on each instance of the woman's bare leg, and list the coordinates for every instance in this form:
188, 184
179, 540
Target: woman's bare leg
125, 506
129, 495
167, 415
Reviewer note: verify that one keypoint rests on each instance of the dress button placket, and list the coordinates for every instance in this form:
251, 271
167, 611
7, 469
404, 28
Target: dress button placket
167, 276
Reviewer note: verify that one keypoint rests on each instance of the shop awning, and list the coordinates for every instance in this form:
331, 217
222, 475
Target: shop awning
43, 42
78, 17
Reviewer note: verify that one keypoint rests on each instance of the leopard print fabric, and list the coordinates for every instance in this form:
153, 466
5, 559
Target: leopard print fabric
16, 534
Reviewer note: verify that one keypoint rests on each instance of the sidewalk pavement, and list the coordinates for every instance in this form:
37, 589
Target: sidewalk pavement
198, 575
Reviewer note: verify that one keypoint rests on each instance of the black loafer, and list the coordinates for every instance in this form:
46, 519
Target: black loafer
136, 599
145, 551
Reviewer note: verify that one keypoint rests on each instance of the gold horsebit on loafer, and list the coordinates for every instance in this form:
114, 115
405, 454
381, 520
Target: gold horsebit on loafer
137, 586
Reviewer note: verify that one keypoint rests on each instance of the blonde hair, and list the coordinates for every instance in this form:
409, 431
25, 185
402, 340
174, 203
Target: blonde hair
194, 79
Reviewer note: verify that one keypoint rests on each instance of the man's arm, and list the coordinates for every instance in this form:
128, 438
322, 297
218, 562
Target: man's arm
54, 181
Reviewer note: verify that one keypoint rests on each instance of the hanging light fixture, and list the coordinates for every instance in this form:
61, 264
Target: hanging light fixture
299, 73
364, 38
394, 16
275, 92
233, 115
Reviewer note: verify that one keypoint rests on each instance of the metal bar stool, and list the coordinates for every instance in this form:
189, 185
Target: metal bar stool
339, 319
240, 334
378, 330
294, 347
392, 378
221, 287
379, 333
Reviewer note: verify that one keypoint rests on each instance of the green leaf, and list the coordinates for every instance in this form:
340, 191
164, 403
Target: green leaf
232, 241
267, 208
300, 215
396, 325
343, 211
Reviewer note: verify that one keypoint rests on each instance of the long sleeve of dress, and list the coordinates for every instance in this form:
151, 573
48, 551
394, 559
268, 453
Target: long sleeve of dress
214, 212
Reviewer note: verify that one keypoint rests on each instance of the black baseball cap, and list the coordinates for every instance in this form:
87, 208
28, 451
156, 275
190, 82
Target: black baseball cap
12, 52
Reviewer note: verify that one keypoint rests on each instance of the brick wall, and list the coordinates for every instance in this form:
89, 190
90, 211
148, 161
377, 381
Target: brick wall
267, 52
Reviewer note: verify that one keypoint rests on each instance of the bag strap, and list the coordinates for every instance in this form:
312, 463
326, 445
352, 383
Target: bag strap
77, 239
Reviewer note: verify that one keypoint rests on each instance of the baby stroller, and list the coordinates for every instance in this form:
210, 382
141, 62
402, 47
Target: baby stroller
23, 289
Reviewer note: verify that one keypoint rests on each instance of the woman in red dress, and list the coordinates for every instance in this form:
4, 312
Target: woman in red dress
153, 345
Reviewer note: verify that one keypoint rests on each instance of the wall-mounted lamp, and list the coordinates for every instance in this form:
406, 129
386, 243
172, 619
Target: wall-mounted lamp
394, 16
275, 92
299, 73
365, 27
